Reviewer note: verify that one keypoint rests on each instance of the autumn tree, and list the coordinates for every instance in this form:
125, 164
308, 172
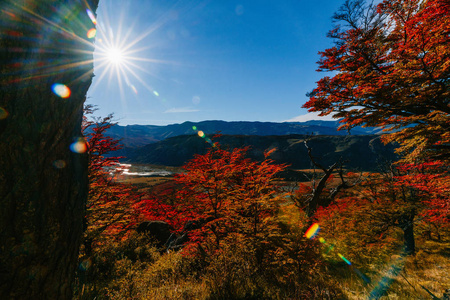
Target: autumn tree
243, 243
398, 198
390, 67
109, 211
392, 205
430, 181
46, 69
321, 193
228, 193
160, 203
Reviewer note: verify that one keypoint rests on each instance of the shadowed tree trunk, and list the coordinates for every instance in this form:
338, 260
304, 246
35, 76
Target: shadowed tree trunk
317, 197
407, 225
43, 184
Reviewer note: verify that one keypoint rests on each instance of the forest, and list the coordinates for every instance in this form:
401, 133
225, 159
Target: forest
228, 226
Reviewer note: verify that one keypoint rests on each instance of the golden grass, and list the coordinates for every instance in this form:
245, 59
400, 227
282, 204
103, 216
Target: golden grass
414, 277
170, 276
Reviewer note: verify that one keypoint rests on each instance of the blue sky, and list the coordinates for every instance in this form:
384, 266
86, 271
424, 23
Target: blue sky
207, 60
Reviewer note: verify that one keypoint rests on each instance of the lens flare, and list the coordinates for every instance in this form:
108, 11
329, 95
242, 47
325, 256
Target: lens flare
344, 259
384, 284
79, 146
3, 113
196, 100
202, 135
61, 90
312, 231
121, 55
91, 16
92, 33
59, 164
85, 264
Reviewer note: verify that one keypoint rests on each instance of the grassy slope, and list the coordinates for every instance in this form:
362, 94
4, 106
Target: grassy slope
168, 275
401, 278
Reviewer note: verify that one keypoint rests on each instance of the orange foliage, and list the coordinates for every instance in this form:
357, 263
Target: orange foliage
227, 193
110, 212
392, 66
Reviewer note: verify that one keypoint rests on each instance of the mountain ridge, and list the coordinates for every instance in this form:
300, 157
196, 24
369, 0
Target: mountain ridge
140, 135
361, 152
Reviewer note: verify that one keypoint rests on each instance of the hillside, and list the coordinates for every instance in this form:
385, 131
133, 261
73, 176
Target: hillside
140, 135
363, 152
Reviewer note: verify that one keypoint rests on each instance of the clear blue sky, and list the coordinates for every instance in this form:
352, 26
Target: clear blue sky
208, 60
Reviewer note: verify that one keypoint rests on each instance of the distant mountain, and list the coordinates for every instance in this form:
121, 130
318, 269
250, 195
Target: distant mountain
140, 135
362, 152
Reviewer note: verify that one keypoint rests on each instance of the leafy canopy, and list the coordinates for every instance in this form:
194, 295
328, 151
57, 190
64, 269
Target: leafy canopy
391, 67
229, 194
109, 210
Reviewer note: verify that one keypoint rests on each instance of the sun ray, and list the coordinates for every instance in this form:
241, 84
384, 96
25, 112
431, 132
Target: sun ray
158, 61
127, 35
53, 70
122, 95
39, 17
57, 62
123, 55
85, 76
102, 75
138, 78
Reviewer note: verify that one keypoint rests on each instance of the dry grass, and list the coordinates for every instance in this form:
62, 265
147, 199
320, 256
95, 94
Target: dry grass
422, 276
147, 181
170, 276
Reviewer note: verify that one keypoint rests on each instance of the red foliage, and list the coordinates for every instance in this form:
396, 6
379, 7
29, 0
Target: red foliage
161, 204
227, 193
431, 181
110, 212
390, 63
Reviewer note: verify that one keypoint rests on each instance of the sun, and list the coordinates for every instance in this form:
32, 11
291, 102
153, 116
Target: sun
126, 57
115, 56
121, 54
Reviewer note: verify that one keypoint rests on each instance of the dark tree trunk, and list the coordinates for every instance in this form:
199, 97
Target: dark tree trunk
408, 234
315, 200
43, 185
407, 225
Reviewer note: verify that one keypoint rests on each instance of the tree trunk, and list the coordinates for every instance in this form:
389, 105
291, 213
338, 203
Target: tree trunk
410, 244
43, 184
408, 234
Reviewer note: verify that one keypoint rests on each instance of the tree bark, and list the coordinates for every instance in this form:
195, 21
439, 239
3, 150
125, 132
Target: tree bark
408, 234
43, 184
315, 198
406, 223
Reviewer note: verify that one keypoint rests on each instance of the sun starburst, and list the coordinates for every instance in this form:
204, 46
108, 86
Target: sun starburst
115, 56
121, 55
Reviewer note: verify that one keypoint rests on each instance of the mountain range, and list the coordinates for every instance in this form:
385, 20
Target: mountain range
174, 145
140, 135
360, 152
